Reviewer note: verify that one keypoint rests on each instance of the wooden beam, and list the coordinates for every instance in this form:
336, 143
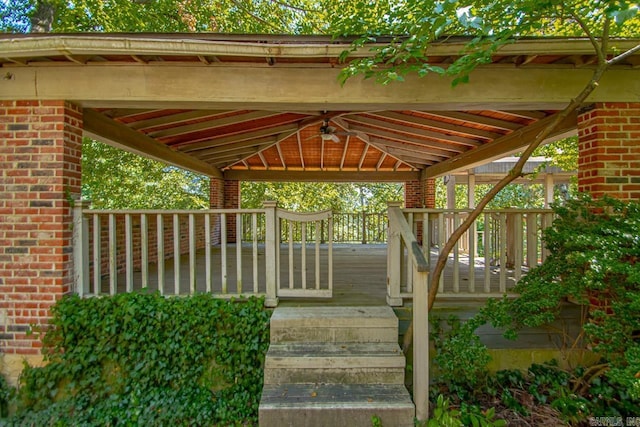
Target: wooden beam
175, 118
218, 150
386, 145
302, 89
478, 119
501, 147
435, 124
322, 176
213, 123
409, 130
233, 139
113, 133
434, 147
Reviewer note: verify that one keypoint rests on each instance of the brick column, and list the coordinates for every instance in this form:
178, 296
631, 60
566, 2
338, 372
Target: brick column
224, 194
40, 150
231, 201
609, 150
420, 194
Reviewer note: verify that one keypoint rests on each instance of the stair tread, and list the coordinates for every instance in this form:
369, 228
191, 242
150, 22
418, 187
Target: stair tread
371, 317
334, 350
335, 395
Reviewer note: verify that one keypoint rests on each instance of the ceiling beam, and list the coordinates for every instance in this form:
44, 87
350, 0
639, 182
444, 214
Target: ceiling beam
501, 147
436, 148
321, 176
435, 124
173, 119
478, 119
213, 123
118, 135
409, 130
233, 139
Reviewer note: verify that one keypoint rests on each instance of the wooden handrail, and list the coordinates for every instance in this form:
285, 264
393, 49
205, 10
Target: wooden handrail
417, 256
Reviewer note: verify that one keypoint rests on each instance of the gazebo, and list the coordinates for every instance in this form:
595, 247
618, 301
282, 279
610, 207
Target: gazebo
250, 108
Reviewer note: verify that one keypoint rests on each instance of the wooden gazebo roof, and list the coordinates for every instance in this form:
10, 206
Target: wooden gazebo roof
254, 107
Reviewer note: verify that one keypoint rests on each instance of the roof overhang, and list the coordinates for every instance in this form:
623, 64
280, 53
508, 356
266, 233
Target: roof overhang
251, 106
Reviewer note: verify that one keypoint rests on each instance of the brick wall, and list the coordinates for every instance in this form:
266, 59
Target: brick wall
40, 149
420, 194
609, 150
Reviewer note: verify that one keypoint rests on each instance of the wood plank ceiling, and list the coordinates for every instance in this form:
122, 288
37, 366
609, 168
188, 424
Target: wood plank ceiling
323, 140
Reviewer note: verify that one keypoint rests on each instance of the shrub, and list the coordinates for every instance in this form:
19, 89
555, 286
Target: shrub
143, 359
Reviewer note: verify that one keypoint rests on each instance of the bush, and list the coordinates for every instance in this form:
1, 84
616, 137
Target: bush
144, 359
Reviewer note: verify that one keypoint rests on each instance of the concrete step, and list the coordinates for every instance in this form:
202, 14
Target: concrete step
334, 324
313, 405
346, 363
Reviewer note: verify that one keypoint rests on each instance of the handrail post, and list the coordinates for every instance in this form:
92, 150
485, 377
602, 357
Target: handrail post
271, 243
80, 248
394, 248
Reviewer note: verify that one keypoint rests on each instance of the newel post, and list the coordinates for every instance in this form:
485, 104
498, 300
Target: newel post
271, 243
420, 343
80, 248
394, 262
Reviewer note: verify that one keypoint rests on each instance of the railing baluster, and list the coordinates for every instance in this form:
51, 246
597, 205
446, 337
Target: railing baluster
518, 255
207, 252
238, 253
503, 252
408, 266
160, 243
472, 234
532, 240
144, 250
113, 266
487, 253
192, 254
456, 256
176, 254
97, 254
441, 241
291, 278
330, 252
303, 239
317, 255
128, 236
223, 252
254, 238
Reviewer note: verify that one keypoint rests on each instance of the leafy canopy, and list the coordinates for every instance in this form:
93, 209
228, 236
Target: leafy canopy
488, 25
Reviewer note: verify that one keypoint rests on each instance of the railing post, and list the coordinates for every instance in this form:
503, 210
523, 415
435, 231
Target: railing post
81, 248
394, 265
271, 243
420, 343
364, 228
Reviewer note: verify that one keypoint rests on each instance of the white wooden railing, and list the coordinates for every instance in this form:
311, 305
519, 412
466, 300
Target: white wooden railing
177, 252
499, 248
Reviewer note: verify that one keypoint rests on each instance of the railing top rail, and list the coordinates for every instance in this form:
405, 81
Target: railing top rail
507, 210
417, 256
304, 216
170, 211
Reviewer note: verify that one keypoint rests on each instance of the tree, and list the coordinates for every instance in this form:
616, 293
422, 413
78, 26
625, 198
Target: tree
115, 179
491, 25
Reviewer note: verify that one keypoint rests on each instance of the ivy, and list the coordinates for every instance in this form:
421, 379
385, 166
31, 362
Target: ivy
142, 359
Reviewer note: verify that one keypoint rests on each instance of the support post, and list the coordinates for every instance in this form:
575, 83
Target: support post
420, 343
394, 264
81, 248
270, 253
548, 190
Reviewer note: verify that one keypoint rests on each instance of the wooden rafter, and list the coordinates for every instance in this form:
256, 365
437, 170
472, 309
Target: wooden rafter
108, 130
476, 118
174, 119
